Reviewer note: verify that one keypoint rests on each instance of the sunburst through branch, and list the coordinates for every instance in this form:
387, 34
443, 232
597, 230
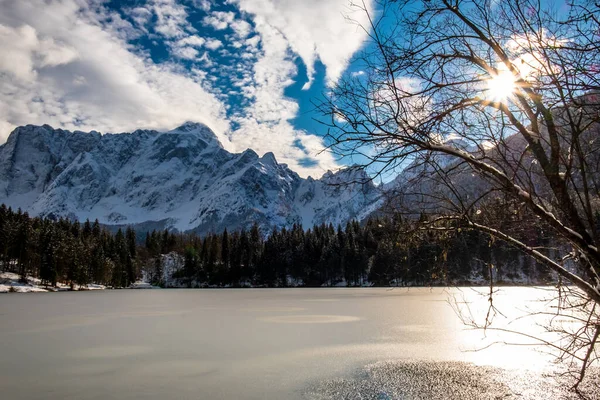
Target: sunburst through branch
501, 86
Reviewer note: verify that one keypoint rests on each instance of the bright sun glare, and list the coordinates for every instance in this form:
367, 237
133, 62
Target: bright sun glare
500, 87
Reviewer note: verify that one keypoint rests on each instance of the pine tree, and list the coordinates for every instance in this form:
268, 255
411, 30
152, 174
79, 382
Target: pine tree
255, 249
48, 273
235, 270
98, 264
96, 230
121, 261
226, 257
214, 254
4, 237
87, 229
24, 235
190, 262
384, 265
131, 242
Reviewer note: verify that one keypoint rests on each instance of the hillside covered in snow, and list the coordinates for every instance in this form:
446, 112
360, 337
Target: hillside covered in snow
181, 179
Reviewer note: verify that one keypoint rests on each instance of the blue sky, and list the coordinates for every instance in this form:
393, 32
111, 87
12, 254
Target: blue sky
247, 68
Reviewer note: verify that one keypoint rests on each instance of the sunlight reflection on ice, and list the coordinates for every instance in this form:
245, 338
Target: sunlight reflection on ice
512, 340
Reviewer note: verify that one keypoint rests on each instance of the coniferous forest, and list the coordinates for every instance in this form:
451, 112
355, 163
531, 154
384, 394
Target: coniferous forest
383, 251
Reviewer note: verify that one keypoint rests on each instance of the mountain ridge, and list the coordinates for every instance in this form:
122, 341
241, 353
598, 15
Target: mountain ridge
180, 179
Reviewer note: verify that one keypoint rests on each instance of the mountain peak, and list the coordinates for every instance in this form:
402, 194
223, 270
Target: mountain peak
189, 126
199, 129
269, 159
352, 174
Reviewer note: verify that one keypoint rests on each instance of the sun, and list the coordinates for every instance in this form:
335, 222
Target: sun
501, 86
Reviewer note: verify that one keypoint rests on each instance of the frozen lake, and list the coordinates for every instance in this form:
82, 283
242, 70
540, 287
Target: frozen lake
226, 344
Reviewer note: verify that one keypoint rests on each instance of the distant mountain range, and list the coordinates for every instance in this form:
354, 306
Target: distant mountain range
181, 179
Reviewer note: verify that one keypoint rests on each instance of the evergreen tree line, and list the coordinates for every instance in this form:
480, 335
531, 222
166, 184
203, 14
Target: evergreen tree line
66, 251
382, 251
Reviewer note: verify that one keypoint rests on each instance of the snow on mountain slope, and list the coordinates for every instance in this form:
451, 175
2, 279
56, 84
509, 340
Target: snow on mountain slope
337, 198
182, 179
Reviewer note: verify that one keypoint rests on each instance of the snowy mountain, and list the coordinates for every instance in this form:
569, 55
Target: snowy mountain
182, 179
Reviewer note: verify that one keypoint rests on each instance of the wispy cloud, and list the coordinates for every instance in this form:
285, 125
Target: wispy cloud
171, 18
314, 29
219, 20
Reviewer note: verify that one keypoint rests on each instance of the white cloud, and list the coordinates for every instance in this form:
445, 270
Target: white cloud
141, 16
206, 60
194, 41
68, 70
236, 44
79, 80
253, 41
5, 127
53, 54
202, 4
18, 45
186, 47
188, 53
241, 28
265, 125
171, 23
23, 52
171, 18
314, 29
219, 20
213, 44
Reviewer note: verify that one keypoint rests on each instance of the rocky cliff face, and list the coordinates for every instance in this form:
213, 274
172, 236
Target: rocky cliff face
182, 179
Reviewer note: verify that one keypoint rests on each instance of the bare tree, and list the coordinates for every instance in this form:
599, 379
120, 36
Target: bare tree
484, 100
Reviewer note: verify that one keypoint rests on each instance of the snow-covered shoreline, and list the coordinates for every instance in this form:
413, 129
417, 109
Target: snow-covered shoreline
10, 282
